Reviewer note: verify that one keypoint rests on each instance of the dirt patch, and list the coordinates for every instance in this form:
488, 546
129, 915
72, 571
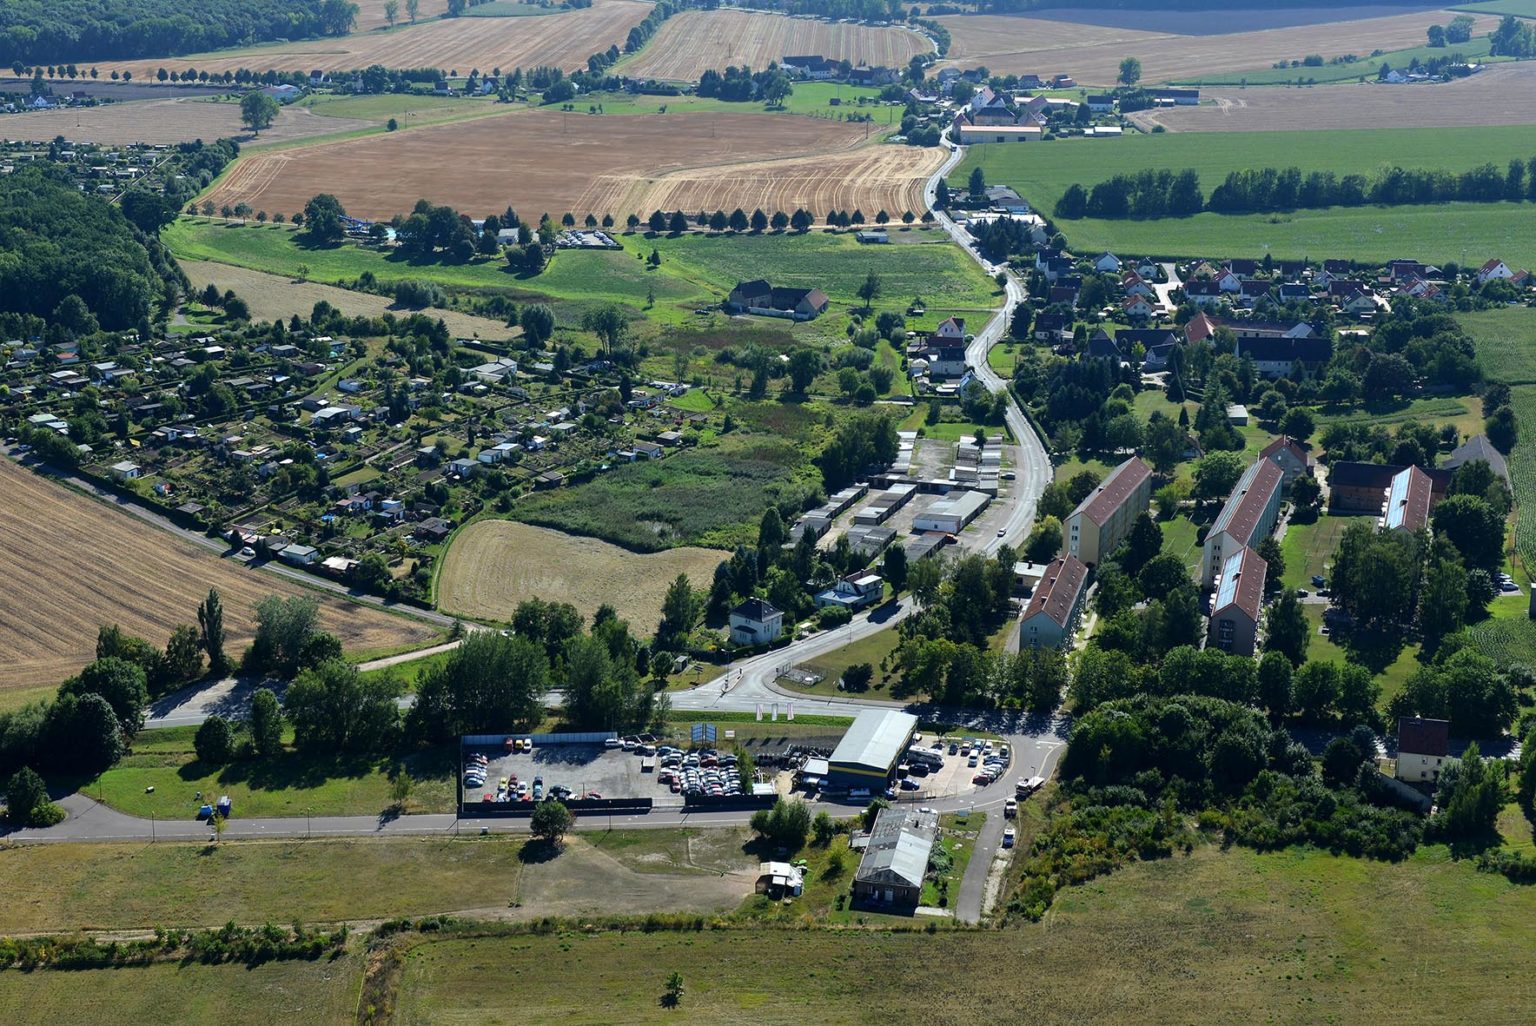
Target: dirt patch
182, 119
696, 41
493, 565
273, 297
584, 881
587, 162
1497, 96
458, 45
1092, 53
71, 564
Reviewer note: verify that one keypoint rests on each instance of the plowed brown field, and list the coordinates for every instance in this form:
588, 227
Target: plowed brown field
695, 41
548, 161
563, 40
70, 565
1497, 96
1092, 53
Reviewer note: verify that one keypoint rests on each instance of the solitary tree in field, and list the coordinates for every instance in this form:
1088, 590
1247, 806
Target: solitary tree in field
392, 11
1130, 72
870, 290
550, 821
412, 8
257, 111
673, 995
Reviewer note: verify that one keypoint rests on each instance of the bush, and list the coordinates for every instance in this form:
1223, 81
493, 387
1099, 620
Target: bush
417, 294
215, 741
833, 616
785, 824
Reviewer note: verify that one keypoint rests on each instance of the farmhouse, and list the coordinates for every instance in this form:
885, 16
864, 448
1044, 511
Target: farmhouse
1494, 270
1051, 617
1477, 448
867, 755
756, 622
1247, 518
758, 297
1104, 517
1359, 487
1235, 608
1423, 749
968, 135
896, 858
1279, 357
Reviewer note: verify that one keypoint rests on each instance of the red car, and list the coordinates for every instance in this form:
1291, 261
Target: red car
981, 778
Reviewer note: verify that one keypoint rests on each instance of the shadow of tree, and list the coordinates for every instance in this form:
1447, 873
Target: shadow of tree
537, 850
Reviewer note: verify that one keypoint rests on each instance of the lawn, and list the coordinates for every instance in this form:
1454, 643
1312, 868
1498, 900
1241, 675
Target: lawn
1465, 412
1506, 342
320, 993
1308, 549
1288, 937
872, 650
1454, 231
289, 784
813, 99
1391, 661
1180, 538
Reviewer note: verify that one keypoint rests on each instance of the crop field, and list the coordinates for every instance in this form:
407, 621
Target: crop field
182, 119
1289, 937
1490, 97
1456, 231
1506, 342
71, 564
872, 178
493, 565
322, 993
586, 163
1365, 69
1519, 8
272, 297
1180, 46
1522, 473
564, 40
691, 43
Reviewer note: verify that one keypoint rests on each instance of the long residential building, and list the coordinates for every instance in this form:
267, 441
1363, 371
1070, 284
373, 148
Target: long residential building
1409, 496
1247, 519
1104, 517
1051, 617
1239, 600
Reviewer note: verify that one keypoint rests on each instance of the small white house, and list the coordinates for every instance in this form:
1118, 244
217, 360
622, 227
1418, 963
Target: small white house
756, 622
126, 471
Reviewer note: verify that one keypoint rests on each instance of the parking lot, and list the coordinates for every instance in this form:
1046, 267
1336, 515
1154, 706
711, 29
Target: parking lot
957, 774
596, 770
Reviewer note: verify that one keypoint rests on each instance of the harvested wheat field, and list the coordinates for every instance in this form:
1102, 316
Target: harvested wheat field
169, 121
1498, 96
562, 40
493, 565
535, 161
872, 178
693, 42
274, 298
1011, 45
70, 564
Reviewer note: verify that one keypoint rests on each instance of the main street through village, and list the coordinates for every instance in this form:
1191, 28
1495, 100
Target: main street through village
748, 686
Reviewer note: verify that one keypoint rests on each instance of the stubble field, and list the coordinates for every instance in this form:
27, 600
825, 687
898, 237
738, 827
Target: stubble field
564, 40
71, 565
493, 565
1180, 46
693, 42
585, 162
1497, 96
168, 121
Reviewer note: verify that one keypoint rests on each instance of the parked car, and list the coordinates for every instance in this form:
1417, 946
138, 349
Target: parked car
910, 785
1008, 837
1010, 808
1318, 581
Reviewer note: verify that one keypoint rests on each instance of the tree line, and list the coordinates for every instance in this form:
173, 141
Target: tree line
34, 31
1153, 194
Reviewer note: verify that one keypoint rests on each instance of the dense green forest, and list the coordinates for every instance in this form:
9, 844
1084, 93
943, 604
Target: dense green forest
50, 31
57, 243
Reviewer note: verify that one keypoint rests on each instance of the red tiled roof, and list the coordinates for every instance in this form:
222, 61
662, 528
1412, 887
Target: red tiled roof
1057, 593
1248, 593
1239, 518
1101, 503
1286, 442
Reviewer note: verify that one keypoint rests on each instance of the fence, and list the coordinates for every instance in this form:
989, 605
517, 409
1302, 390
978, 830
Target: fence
578, 806
700, 802
591, 737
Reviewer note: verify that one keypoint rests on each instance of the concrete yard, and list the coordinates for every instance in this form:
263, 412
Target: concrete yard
612, 773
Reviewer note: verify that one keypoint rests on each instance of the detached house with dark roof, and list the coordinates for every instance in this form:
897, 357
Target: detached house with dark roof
1287, 454
1423, 749
756, 622
1104, 518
